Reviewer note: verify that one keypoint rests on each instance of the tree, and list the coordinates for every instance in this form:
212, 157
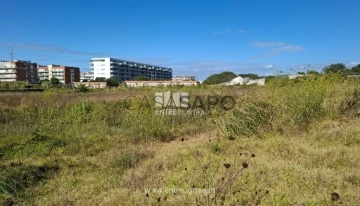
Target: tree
45, 81
336, 68
100, 79
220, 78
250, 75
356, 69
55, 81
140, 78
112, 82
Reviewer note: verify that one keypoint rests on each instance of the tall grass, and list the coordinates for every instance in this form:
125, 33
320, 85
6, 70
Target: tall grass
293, 104
88, 148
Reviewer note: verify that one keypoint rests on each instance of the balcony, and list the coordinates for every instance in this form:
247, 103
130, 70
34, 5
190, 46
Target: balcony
8, 76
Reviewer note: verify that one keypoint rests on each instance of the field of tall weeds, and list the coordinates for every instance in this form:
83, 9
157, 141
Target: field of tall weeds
290, 142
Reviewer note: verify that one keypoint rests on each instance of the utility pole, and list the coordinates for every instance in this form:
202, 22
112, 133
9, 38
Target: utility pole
11, 54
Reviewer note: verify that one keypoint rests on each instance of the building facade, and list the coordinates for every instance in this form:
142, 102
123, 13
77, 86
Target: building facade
127, 70
19, 70
159, 83
184, 78
91, 85
65, 74
86, 76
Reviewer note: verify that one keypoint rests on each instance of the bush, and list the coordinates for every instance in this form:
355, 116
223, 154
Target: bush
17, 85
254, 117
351, 104
100, 79
220, 78
112, 82
55, 81
81, 88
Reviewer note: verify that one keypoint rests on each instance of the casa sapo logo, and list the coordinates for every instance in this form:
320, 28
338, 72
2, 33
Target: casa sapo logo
179, 103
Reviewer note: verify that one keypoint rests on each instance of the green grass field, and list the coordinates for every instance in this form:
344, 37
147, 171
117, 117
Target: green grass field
287, 143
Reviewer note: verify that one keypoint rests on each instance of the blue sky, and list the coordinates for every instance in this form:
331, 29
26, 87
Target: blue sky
192, 37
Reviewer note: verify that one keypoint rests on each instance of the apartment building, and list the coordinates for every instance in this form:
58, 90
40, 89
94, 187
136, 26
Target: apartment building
86, 76
127, 70
19, 70
184, 78
159, 83
65, 74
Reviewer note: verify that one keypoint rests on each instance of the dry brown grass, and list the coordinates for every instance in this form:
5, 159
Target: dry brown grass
104, 160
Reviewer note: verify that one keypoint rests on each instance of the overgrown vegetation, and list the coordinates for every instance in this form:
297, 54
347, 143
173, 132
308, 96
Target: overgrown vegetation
291, 142
341, 68
220, 78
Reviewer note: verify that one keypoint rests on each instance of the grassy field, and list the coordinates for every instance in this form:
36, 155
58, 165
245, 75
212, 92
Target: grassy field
287, 143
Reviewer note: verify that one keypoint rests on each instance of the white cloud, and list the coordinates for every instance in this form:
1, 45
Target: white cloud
225, 31
269, 66
262, 44
277, 46
289, 48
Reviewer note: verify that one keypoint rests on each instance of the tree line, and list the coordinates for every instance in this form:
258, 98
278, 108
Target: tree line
333, 68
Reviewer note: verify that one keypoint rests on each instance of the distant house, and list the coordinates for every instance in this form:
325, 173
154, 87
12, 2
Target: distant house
237, 80
256, 81
294, 76
184, 78
86, 76
159, 83
91, 85
245, 81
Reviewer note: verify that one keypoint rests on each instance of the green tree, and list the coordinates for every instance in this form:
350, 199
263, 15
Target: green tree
220, 78
336, 68
100, 79
55, 81
45, 83
250, 75
356, 69
112, 82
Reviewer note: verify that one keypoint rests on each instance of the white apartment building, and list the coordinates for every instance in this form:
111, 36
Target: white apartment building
127, 70
184, 78
159, 83
86, 76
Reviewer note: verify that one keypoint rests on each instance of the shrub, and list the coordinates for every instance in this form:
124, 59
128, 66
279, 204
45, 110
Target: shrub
254, 117
220, 78
351, 104
304, 100
81, 88
112, 82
